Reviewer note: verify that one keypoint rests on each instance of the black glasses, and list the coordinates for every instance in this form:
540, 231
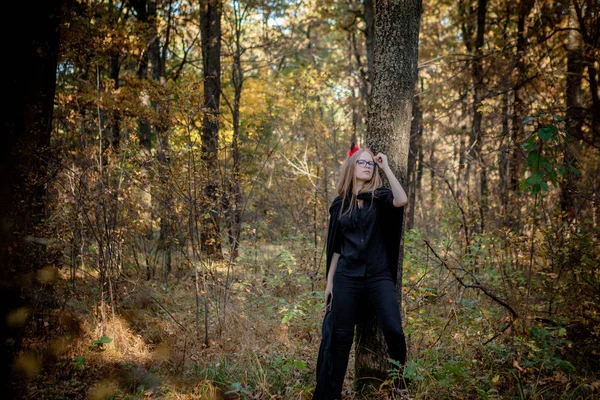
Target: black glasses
365, 163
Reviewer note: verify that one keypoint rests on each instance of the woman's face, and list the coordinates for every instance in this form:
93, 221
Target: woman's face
365, 171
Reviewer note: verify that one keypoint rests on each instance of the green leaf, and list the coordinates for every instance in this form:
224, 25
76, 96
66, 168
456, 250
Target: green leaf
545, 164
558, 118
523, 185
533, 158
301, 365
562, 332
544, 186
529, 143
535, 179
528, 120
544, 133
102, 341
566, 367
562, 170
552, 176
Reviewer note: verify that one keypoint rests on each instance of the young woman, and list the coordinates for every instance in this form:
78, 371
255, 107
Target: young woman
363, 243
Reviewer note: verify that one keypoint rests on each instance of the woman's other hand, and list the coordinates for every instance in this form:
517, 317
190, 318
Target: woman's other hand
381, 160
328, 294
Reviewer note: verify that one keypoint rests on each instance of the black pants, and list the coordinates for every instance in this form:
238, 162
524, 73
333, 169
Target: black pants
350, 293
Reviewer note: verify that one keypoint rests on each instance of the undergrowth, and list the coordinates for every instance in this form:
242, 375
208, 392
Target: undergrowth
462, 343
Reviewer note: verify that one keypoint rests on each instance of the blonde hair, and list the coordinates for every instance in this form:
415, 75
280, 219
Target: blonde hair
347, 181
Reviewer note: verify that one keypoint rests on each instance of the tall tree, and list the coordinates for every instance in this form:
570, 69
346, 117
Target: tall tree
210, 33
24, 163
145, 13
574, 115
477, 75
239, 13
157, 57
415, 156
519, 106
390, 113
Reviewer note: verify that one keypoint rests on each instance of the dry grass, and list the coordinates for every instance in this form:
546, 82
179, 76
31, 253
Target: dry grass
158, 351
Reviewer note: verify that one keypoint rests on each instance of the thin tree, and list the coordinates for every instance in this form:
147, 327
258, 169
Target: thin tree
210, 33
574, 115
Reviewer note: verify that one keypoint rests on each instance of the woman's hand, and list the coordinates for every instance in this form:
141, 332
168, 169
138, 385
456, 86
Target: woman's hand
400, 198
381, 160
328, 294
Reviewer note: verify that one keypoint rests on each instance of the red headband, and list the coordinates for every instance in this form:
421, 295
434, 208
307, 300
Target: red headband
354, 149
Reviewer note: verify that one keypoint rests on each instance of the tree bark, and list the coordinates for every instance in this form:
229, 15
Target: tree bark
519, 106
369, 16
416, 131
478, 96
163, 147
145, 138
234, 198
25, 160
210, 32
574, 115
390, 112
115, 126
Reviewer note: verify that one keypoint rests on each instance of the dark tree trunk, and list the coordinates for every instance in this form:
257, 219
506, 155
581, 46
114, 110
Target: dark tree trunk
519, 106
115, 126
589, 28
419, 173
416, 130
474, 157
505, 150
503, 167
25, 160
390, 112
574, 116
478, 96
237, 76
369, 16
210, 32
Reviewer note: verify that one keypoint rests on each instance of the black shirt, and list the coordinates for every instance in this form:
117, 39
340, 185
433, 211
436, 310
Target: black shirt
360, 242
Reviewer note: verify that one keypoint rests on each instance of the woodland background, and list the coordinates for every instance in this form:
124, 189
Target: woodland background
164, 223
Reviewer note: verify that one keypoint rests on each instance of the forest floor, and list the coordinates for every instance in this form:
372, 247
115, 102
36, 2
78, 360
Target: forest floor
263, 346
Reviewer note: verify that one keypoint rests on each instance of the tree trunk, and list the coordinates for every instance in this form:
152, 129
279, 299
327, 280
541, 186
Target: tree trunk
574, 116
503, 167
163, 147
478, 88
519, 107
210, 32
115, 126
390, 112
145, 138
237, 78
24, 162
416, 131
369, 16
